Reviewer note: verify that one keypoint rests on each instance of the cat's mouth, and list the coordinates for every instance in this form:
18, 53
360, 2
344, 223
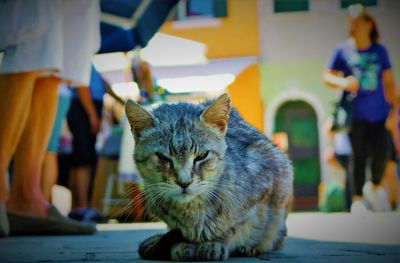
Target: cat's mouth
184, 196
185, 193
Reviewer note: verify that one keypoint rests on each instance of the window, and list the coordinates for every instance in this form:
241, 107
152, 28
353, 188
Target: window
188, 9
347, 3
282, 6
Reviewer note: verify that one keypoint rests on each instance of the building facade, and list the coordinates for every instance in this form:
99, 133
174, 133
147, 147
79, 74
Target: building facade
286, 46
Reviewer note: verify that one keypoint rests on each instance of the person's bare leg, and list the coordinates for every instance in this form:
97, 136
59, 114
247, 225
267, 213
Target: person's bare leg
49, 174
357, 198
79, 184
398, 195
389, 181
26, 197
15, 100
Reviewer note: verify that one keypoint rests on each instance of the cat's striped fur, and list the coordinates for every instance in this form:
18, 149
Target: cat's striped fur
220, 185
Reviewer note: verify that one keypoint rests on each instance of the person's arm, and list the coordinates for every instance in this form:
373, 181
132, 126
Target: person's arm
333, 80
330, 157
392, 126
144, 78
111, 92
389, 87
87, 102
397, 96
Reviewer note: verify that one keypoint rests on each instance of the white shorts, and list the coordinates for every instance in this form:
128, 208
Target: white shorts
67, 36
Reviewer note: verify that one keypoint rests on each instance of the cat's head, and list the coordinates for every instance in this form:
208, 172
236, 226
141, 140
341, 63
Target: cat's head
180, 148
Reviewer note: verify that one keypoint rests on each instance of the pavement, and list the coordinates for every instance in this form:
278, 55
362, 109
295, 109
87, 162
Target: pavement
312, 237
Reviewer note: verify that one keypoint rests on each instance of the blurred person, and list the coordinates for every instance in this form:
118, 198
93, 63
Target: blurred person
42, 45
50, 162
361, 66
150, 92
338, 155
84, 122
281, 140
141, 73
397, 147
390, 180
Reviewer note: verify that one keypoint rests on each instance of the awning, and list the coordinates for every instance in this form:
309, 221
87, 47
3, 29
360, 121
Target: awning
127, 24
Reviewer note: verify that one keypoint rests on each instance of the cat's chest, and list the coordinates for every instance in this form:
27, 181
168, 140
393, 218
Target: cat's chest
196, 224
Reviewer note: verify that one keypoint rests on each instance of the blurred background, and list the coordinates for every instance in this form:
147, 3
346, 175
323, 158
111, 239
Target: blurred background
267, 54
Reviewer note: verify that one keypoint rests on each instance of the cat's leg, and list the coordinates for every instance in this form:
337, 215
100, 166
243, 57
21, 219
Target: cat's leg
280, 238
274, 231
207, 251
159, 247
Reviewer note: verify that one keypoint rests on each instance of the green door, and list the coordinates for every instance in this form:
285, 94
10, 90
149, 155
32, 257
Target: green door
299, 121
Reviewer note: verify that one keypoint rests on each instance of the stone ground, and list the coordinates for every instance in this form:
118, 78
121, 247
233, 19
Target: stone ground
313, 237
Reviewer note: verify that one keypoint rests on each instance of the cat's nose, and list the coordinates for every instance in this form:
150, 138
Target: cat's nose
184, 185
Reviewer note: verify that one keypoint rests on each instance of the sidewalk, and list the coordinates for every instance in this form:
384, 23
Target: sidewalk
313, 237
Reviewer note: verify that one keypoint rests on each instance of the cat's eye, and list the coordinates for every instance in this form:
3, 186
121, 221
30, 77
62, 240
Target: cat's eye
162, 158
201, 157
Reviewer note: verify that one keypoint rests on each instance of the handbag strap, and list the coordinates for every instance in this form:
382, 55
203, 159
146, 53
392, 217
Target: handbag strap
350, 50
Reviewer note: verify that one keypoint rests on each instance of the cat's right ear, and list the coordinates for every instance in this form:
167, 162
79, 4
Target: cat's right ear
138, 117
216, 115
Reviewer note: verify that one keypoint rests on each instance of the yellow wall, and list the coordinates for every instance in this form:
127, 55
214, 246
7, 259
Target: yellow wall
235, 36
246, 98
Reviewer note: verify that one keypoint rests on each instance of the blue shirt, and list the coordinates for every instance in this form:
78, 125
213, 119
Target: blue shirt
96, 85
367, 66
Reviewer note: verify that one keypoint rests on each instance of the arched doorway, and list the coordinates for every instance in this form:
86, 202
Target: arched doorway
298, 120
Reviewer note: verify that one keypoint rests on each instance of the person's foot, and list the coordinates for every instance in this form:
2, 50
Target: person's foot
37, 206
398, 205
4, 225
89, 215
360, 207
53, 224
376, 197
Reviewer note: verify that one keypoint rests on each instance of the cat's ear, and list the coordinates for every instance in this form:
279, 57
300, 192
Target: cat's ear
138, 117
217, 114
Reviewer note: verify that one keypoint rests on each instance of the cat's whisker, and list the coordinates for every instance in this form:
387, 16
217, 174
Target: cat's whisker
113, 211
221, 202
153, 199
134, 203
131, 204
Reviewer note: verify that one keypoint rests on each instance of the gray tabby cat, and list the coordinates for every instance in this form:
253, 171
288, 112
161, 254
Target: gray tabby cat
221, 186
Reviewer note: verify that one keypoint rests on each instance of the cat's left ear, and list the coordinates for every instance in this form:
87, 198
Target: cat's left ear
138, 117
216, 115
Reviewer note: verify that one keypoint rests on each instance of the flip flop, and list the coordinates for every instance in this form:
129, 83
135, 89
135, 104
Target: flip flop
4, 226
54, 224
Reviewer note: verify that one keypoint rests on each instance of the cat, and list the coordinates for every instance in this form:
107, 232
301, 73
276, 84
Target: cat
221, 186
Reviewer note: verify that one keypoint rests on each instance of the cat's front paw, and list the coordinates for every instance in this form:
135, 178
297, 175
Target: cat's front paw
212, 251
245, 251
207, 251
183, 252
147, 249
159, 247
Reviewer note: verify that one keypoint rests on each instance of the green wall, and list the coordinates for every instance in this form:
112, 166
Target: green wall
278, 77
300, 75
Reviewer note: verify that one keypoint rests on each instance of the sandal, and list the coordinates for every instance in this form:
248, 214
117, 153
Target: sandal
4, 226
54, 224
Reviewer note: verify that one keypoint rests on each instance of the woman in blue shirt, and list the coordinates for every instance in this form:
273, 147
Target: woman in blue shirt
361, 66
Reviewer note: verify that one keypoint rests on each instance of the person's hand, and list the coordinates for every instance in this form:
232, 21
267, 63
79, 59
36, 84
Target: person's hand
330, 158
391, 120
352, 84
94, 123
